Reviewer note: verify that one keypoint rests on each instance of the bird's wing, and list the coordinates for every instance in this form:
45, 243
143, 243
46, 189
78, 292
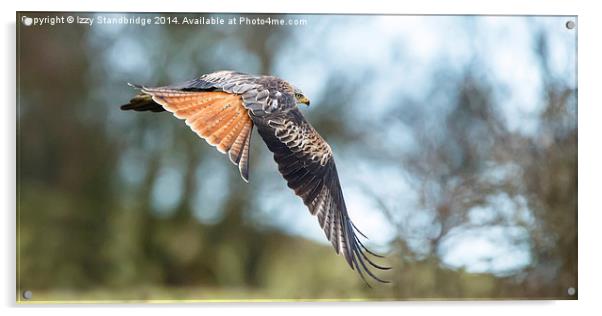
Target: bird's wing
216, 107
216, 116
260, 94
305, 160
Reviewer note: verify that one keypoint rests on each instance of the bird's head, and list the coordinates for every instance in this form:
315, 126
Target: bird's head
300, 97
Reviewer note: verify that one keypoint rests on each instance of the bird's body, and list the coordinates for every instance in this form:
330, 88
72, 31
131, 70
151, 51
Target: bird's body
223, 108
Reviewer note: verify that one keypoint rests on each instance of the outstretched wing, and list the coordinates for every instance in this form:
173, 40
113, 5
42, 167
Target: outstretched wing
216, 106
216, 116
305, 160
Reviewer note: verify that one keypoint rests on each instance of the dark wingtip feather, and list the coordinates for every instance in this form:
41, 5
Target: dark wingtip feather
357, 229
359, 258
142, 102
366, 249
126, 107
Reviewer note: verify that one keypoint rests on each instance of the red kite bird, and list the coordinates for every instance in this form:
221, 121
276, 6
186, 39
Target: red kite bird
223, 107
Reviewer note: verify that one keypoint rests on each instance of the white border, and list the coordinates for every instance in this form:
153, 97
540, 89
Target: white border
590, 218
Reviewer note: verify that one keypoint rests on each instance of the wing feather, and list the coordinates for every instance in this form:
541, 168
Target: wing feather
216, 116
305, 160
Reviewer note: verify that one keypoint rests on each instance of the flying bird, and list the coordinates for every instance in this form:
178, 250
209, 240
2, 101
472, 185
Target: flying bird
223, 108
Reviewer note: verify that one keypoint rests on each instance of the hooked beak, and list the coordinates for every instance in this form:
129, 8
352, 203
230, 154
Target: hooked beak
304, 100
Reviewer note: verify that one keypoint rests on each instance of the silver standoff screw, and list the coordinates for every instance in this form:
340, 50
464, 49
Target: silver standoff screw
570, 24
27, 294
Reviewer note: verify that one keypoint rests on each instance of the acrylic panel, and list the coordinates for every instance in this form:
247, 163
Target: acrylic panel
455, 140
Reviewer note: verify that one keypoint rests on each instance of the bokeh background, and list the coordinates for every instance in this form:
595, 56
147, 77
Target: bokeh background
455, 139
